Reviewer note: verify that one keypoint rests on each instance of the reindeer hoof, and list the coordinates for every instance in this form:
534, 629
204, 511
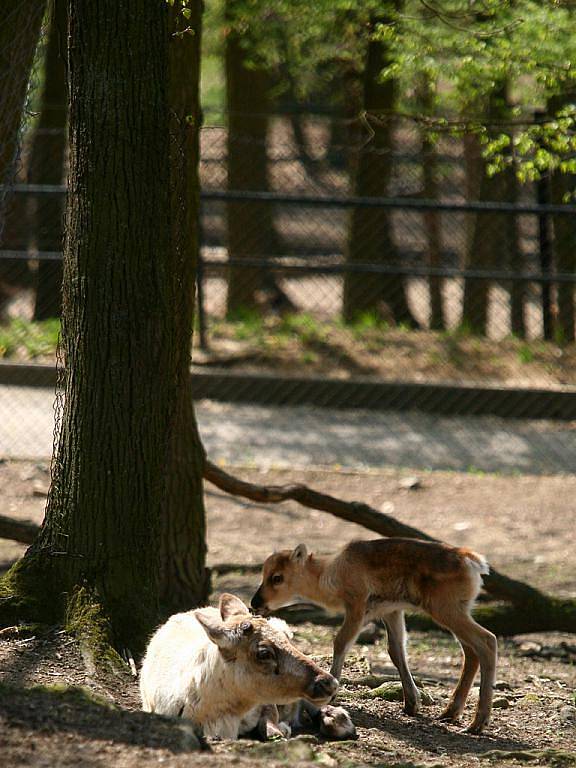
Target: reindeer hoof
475, 728
335, 723
411, 708
275, 732
449, 716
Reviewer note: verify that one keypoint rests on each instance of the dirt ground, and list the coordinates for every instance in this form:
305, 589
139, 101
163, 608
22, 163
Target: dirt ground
524, 525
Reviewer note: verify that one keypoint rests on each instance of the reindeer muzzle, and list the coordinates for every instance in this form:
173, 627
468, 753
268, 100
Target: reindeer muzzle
322, 689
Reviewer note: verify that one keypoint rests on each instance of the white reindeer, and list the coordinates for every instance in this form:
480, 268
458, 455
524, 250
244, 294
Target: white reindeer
217, 667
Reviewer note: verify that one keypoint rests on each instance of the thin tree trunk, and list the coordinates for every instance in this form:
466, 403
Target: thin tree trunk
371, 237
492, 242
100, 534
562, 185
250, 224
20, 26
183, 576
47, 165
432, 218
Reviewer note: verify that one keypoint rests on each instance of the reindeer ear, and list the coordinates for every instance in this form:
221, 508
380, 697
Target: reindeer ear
214, 627
230, 605
299, 554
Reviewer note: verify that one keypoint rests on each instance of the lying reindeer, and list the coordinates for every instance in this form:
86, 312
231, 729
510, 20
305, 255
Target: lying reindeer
217, 667
379, 580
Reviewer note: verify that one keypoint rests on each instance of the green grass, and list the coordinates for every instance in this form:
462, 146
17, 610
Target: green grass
525, 354
30, 339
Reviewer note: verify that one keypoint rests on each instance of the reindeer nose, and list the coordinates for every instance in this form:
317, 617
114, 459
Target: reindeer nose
323, 688
257, 601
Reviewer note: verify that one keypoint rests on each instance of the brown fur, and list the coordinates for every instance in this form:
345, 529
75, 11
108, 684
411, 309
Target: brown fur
381, 578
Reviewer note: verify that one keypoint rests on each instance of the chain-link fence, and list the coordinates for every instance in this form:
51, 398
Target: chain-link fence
335, 271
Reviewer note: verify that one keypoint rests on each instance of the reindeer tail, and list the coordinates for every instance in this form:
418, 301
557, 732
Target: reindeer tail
477, 562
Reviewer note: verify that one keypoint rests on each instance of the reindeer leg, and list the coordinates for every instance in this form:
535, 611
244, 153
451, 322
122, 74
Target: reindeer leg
347, 634
397, 649
485, 647
457, 701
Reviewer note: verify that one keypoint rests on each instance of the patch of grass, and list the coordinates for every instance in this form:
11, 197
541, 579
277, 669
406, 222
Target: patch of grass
525, 354
247, 325
35, 339
366, 323
303, 326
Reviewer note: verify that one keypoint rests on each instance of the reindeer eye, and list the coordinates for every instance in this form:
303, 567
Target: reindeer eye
264, 653
277, 579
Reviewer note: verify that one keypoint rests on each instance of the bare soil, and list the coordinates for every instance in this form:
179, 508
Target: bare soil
525, 525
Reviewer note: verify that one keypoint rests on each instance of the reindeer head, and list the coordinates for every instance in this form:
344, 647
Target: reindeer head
268, 668
283, 578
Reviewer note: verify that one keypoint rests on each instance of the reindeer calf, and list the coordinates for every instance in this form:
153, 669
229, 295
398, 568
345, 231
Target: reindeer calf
380, 579
214, 666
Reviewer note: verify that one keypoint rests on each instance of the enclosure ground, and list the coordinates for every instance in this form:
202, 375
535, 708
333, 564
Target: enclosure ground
523, 524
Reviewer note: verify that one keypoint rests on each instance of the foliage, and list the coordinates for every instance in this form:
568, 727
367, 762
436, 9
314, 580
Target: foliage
29, 339
465, 48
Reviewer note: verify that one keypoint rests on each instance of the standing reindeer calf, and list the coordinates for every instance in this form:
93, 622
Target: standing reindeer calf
379, 580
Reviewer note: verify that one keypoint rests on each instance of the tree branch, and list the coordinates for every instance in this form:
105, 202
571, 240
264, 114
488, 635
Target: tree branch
18, 530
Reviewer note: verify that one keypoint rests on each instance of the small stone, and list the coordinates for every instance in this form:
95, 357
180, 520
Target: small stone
39, 490
410, 483
568, 714
327, 760
502, 685
501, 702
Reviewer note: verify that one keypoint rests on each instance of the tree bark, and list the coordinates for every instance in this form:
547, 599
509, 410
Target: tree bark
100, 534
371, 236
250, 224
20, 26
183, 577
47, 165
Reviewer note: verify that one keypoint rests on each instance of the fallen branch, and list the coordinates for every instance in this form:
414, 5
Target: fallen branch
532, 610
18, 530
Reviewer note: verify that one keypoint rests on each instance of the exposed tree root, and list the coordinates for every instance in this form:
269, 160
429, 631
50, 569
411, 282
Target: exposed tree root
531, 610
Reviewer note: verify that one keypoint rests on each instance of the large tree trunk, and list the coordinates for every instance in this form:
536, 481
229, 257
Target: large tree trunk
370, 237
183, 576
250, 224
494, 241
561, 186
20, 26
102, 525
47, 166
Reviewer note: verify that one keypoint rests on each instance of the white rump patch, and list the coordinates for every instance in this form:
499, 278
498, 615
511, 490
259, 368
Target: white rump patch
480, 566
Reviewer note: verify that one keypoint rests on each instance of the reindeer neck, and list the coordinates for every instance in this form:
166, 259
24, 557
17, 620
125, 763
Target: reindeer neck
318, 583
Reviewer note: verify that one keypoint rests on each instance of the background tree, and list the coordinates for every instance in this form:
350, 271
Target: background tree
47, 165
250, 225
493, 240
370, 239
20, 26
